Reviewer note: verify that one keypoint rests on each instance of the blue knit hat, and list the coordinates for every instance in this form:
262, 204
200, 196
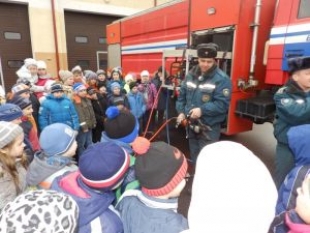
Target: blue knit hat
20, 101
56, 139
115, 85
121, 125
10, 112
78, 87
103, 165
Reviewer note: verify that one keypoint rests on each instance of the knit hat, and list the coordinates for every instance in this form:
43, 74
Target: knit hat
103, 165
20, 88
159, 167
90, 75
76, 69
208, 50
99, 72
8, 132
121, 125
91, 91
115, 85
144, 73
24, 81
10, 112
132, 85
20, 101
298, 63
65, 74
56, 139
56, 87
78, 87
41, 65
129, 78
45, 211
30, 62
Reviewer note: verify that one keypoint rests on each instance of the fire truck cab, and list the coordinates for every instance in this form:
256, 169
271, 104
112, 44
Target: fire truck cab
255, 38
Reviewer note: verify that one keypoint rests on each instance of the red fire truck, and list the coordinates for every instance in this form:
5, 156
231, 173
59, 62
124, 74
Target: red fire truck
255, 37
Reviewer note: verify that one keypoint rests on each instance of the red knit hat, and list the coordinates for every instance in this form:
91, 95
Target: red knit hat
159, 166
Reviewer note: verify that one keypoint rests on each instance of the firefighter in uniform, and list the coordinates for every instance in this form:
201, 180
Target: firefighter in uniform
204, 100
292, 108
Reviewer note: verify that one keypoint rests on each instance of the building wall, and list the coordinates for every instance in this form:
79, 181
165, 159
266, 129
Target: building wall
42, 28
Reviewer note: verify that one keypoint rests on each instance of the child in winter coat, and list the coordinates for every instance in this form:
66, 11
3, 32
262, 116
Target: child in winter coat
58, 108
136, 102
149, 92
100, 105
117, 98
58, 147
160, 169
40, 211
28, 125
13, 162
299, 143
66, 78
102, 167
232, 191
102, 78
86, 117
122, 128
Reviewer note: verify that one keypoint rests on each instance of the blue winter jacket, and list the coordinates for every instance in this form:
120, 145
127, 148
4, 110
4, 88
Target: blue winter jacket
141, 213
211, 93
137, 104
58, 110
97, 215
298, 139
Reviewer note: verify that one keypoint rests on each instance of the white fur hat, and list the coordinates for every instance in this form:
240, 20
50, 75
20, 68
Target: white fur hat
41, 65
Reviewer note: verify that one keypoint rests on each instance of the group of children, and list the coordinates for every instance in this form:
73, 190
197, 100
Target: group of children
123, 182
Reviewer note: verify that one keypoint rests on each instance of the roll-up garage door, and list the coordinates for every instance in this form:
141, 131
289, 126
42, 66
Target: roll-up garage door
86, 39
15, 42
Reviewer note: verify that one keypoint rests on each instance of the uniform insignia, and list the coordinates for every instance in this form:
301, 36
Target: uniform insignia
205, 98
300, 101
286, 101
226, 92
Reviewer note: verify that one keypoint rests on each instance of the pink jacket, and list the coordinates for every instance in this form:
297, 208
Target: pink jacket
296, 227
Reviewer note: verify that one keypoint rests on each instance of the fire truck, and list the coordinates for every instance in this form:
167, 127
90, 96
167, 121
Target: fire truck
255, 37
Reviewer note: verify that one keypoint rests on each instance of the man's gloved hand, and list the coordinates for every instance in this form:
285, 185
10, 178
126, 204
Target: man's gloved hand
180, 118
195, 113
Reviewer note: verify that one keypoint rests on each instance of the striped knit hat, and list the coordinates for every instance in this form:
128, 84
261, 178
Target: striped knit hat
8, 132
103, 165
159, 166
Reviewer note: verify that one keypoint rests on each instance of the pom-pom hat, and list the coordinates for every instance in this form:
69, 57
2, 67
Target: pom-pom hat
121, 125
103, 165
159, 167
78, 87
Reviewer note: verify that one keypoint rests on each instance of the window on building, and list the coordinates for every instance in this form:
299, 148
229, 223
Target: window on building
102, 40
84, 64
81, 39
304, 9
15, 63
12, 36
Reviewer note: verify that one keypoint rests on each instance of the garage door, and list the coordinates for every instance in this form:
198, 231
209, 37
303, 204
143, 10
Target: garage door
86, 39
15, 43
